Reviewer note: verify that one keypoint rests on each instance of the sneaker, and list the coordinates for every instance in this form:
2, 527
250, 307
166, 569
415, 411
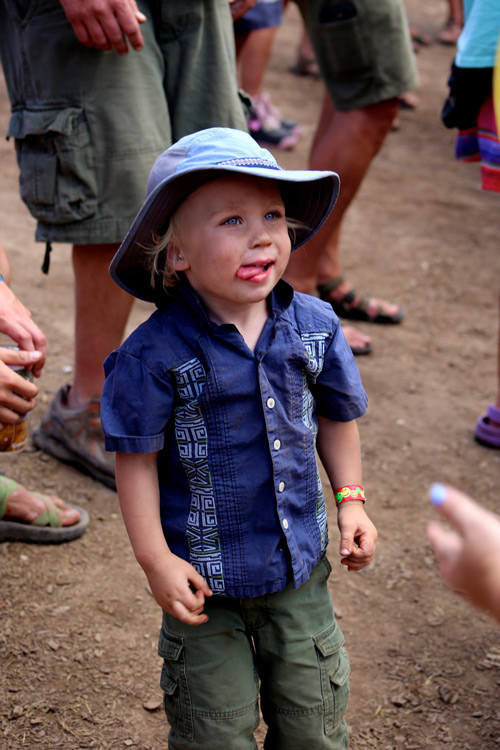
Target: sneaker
267, 128
75, 436
267, 110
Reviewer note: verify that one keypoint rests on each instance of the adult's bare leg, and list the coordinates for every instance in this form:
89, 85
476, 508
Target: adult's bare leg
253, 50
101, 314
345, 142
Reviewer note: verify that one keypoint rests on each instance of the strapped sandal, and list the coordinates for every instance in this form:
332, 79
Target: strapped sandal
486, 433
46, 528
355, 307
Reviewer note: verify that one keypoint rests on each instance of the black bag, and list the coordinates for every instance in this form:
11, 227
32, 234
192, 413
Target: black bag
469, 88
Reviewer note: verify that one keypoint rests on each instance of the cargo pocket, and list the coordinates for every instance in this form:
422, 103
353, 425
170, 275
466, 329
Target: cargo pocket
57, 177
173, 682
334, 667
338, 32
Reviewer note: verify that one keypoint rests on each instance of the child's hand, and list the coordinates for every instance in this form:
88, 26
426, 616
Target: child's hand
179, 589
358, 535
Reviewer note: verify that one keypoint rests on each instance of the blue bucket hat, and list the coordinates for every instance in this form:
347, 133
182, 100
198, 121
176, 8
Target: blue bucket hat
196, 159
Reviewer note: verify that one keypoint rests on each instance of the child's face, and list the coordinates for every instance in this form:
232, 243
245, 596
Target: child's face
234, 242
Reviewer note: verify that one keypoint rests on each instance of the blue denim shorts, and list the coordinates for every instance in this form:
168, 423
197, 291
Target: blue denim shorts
286, 646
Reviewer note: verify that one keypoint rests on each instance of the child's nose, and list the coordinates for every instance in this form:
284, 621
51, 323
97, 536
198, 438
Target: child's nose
260, 234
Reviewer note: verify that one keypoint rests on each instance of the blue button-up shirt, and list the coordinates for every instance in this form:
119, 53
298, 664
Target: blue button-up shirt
240, 493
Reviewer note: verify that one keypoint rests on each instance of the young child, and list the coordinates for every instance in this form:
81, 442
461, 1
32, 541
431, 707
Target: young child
215, 406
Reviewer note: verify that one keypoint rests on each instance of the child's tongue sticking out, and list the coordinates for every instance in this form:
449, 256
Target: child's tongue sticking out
251, 271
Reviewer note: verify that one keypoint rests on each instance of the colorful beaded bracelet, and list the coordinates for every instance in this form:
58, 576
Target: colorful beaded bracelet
350, 492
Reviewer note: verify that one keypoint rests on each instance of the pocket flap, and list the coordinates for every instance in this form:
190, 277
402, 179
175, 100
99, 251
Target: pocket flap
330, 640
341, 674
167, 684
168, 648
37, 122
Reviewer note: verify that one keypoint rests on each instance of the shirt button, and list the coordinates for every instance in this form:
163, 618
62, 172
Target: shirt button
271, 402
281, 486
285, 523
277, 445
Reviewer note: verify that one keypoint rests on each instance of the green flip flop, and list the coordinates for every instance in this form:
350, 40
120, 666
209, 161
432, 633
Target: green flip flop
45, 528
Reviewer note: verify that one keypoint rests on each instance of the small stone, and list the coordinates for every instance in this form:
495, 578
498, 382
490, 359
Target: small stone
152, 704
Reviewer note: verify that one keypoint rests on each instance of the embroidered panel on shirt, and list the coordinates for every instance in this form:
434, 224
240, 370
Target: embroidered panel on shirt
321, 513
202, 531
314, 344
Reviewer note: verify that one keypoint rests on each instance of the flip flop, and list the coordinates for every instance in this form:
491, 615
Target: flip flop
486, 433
45, 528
345, 307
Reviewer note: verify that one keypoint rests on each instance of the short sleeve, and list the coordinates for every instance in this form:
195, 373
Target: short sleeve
338, 390
136, 405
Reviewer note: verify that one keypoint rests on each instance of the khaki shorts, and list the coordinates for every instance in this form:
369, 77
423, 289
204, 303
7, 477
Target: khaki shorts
89, 124
363, 48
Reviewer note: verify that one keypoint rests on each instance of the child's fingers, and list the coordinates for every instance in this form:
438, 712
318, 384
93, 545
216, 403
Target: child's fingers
359, 558
199, 584
189, 616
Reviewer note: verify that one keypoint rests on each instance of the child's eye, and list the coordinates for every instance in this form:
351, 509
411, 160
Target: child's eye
232, 221
272, 215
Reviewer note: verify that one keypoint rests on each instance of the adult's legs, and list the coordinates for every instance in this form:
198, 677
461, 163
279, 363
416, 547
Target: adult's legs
71, 428
98, 300
253, 50
345, 142
454, 24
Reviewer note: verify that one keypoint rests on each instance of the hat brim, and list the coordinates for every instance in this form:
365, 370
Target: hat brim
309, 197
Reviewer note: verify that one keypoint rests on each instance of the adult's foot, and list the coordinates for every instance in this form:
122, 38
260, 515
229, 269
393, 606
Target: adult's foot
24, 505
359, 343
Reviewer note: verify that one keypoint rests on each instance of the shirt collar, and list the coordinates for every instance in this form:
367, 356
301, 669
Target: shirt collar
280, 300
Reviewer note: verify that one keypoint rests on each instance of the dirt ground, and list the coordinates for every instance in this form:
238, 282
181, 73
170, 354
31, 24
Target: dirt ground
78, 629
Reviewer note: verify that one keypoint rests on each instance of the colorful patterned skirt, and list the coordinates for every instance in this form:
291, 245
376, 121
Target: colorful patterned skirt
482, 144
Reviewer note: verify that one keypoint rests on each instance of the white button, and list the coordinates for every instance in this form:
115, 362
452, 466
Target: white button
281, 486
285, 523
277, 445
271, 402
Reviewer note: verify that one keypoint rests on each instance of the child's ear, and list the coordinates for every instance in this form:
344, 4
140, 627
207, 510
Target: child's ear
176, 259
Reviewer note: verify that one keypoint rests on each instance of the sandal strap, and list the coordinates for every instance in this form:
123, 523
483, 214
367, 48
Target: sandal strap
325, 289
6, 487
48, 517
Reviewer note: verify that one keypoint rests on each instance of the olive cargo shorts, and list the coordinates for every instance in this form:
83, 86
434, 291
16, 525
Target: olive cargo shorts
363, 48
289, 641
88, 124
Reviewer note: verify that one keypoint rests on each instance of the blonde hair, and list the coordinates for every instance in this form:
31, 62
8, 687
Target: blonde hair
158, 253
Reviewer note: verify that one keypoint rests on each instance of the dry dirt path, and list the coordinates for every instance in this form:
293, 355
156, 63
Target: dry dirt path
78, 666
